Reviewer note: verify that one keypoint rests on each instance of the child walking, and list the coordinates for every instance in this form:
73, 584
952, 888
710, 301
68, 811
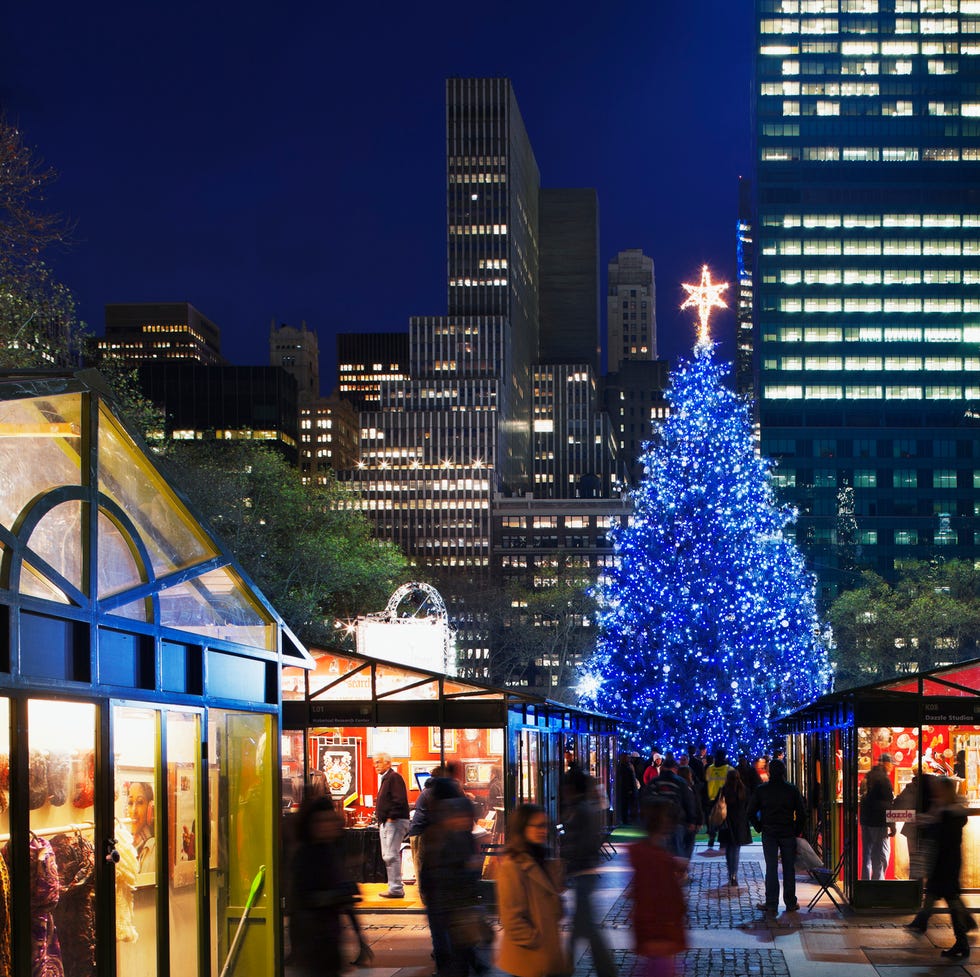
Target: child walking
659, 911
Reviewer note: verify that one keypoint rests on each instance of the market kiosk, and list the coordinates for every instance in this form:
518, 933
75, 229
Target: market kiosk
929, 724
510, 747
139, 699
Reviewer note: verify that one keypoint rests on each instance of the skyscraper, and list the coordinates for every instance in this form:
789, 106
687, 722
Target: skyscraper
365, 361
297, 351
631, 317
867, 228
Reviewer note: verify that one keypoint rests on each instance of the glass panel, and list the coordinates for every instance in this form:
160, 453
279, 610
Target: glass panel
172, 536
888, 763
184, 794
391, 678
243, 794
528, 772
470, 691
61, 795
57, 539
118, 568
430, 690
476, 756
965, 762
33, 583
137, 784
39, 448
329, 668
5, 890
218, 605
294, 770
138, 610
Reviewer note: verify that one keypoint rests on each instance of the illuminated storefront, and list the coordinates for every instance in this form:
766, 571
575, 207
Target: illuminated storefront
139, 696
929, 725
509, 747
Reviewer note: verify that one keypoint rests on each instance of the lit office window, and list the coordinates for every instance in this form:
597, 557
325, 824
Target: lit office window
903, 393
865, 478
904, 478
824, 392
903, 363
823, 363
869, 392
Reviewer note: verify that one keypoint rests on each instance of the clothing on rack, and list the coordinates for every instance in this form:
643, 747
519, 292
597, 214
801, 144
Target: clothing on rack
6, 961
74, 916
127, 868
45, 892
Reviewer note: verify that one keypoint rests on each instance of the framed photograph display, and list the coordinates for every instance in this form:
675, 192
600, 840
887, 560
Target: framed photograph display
419, 773
396, 740
442, 739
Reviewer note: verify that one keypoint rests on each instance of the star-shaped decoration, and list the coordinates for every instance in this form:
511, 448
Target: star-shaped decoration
704, 298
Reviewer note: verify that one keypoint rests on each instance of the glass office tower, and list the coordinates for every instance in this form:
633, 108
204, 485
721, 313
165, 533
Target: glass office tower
867, 223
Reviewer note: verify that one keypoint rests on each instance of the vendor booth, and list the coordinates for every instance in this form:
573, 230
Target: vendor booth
509, 747
926, 725
139, 699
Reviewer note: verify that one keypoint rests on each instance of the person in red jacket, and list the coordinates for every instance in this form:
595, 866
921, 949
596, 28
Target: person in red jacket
659, 910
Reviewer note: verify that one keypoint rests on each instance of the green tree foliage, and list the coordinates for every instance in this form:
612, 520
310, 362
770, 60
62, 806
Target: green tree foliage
39, 327
930, 616
309, 550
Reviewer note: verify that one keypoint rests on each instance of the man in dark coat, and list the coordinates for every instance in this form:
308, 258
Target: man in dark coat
391, 812
776, 810
872, 813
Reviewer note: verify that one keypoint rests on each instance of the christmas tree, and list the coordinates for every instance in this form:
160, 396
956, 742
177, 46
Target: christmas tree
708, 626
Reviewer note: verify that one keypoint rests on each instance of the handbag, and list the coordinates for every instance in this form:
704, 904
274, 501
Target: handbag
719, 813
806, 857
468, 926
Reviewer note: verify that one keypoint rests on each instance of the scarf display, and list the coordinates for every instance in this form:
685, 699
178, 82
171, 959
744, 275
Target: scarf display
74, 916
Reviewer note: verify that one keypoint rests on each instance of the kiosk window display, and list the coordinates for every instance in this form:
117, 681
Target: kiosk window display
889, 740
505, 747
139, 697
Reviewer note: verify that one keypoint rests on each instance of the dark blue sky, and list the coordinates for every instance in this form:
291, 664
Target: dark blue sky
287, 161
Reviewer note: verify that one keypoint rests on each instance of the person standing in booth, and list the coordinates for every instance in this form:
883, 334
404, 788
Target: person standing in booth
872, 813
391, 812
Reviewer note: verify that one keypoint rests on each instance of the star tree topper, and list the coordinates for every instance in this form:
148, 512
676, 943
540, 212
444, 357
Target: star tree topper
704, 298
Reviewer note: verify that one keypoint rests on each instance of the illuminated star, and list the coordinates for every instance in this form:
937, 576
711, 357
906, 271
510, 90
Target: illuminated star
704, 298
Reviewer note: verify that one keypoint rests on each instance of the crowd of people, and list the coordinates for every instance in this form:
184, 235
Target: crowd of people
670, 798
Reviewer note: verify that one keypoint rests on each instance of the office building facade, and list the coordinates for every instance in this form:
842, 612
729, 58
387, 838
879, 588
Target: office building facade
297, 351
867, 229
631, 317
365, 361
146, 332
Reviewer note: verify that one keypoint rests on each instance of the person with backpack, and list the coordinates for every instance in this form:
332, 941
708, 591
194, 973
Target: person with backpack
670, 787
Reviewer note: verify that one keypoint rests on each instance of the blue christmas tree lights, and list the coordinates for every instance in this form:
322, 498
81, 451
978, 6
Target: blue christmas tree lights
708, 626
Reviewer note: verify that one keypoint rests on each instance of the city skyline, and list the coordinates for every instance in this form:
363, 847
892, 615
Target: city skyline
268, 171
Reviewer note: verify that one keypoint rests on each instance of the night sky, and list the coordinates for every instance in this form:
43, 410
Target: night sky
287, 162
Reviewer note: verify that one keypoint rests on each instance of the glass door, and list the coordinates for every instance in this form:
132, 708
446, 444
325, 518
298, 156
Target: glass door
136, 772
60, 846
183, 750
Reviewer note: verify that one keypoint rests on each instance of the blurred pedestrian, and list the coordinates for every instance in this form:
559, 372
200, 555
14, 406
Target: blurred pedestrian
529, 889
659, 912
736, 829
627, 790
581, 844
320, 891
776, 810
691, 831
449, 883
943, 826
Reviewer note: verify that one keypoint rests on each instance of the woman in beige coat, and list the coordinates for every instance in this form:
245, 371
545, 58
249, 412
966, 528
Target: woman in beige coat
529, 887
